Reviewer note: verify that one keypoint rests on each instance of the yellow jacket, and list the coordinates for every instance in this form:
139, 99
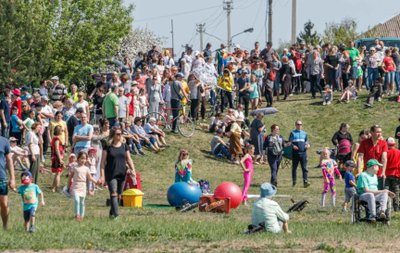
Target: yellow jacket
225, 82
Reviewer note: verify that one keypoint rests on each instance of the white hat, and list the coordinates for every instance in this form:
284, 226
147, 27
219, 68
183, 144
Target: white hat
237, 46
55, 78
196, 53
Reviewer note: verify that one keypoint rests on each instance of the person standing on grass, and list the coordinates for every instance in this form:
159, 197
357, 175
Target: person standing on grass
299, 141
114, 161
6, 181
79, 176
110, 106
374, 148
392, 182
57, 157
247, 165
273, 146
83, 134
32, 142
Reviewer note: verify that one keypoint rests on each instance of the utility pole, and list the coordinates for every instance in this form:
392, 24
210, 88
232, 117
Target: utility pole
172, 32
270, 20
294, 18
200, 28
228, 6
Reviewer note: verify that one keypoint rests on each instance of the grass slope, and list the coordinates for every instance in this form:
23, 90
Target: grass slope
157, 229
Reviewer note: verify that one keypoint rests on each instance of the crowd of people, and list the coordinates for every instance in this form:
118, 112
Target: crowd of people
101, 128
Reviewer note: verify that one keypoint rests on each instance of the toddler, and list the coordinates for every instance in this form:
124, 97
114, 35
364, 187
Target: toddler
29, 193
327, 95
92, 164
79, 177
329, 169
71, 166
350, 183
247, 165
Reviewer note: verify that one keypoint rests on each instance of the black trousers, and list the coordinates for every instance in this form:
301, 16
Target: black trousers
245, 101
228, 95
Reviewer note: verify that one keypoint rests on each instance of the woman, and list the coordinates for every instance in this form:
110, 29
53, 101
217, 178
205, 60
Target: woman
98, 138
372, 63
389, 67
82, 103
155, 96
225, 83
194, 85
32, 142
68, 109
332, 64
346, 67
343, 142
286, 76
58, 121
183, 168
210, 76
57, 156
363, 135
257, 137
168, 60
98, 99
116, 162
273, 146
17, 125
254, 93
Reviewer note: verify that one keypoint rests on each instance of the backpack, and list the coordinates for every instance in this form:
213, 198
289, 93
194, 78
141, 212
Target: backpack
205, 186
272, 75
344, 147
276, 146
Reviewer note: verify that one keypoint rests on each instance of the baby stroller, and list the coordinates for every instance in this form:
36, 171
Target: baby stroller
358, 206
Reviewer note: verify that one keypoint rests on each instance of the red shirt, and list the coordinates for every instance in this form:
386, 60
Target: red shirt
131, 106
373, 152
389, 63
393, 163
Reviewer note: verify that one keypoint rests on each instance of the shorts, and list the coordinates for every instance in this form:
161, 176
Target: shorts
348, 194
29, 213
3, 187
353, 72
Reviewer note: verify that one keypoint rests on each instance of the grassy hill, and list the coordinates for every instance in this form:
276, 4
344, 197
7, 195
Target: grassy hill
156, 228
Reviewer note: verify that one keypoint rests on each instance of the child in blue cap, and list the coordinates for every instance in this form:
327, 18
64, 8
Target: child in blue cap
29, 193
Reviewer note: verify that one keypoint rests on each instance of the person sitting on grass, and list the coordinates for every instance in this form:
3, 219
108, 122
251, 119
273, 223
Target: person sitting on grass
145, 139
132, 140
152, 129
367, 188
327, 95
218, 147
29, 193
268, 212
349, 93
19, 154
375, 92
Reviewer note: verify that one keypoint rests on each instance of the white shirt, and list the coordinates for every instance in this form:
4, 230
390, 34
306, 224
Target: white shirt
48, 110
32, 138
268, 211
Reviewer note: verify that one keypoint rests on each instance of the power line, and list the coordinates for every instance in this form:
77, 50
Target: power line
177, 14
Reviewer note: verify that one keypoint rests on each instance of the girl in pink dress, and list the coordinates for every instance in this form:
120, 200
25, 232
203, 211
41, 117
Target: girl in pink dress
247, 165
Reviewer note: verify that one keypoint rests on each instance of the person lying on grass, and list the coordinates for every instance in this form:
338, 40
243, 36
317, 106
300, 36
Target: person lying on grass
367, 188
269, 212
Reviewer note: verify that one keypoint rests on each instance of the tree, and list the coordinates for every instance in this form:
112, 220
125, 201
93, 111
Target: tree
308, 36
340, 33
69, 38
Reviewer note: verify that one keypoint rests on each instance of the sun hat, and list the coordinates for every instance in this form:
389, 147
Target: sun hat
92, 149
350, 163
373, 162
267, 190
391, 142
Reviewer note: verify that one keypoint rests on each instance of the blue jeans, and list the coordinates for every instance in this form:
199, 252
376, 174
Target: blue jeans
332, 75
397, 80
221, 150
372, 76
302, 158
112, 121
175, 104
389, 78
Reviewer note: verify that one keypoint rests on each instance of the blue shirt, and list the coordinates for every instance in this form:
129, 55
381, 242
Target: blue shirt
29, 194
348, 176
299, 138
83, 131
14, 124
6, 108
4, 150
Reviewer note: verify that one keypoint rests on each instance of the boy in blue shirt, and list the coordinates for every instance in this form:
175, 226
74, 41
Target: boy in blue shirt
29, 193
350, 183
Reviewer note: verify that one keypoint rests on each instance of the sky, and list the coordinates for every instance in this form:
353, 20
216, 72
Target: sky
156, 16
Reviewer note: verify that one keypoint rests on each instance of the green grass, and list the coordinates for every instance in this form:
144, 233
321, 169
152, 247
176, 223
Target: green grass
157, 229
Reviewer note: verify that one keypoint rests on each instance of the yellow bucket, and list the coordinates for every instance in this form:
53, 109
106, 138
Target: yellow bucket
132, 198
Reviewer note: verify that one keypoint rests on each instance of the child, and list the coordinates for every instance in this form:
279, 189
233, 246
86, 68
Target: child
329, 169
349, 93
326, 95
247, 165
143, 104
375, 92
183, 168
72, 164
29, 193
350, 183
92, 164
79, 176
216, 123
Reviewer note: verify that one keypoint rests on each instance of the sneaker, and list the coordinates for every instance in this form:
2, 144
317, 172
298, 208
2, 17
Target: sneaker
141, 153
236, 162
66, 192
382, 215
368, 105
306, 184
371, 219
324, 103
329, 102
293, 184
380, 99
32, 229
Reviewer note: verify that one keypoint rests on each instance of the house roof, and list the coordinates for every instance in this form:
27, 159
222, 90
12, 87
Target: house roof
390, 28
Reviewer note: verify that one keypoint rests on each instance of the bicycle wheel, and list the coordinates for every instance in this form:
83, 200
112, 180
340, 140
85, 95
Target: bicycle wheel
186, 126
161, 122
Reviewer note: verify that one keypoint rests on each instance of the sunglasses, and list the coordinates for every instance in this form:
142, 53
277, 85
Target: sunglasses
118, 134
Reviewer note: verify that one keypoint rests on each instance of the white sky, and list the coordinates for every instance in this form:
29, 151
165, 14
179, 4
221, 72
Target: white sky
156, 15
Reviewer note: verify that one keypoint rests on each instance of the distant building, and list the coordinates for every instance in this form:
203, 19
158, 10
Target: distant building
389, 29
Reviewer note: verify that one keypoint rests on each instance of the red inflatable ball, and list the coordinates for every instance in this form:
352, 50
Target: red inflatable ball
229, 190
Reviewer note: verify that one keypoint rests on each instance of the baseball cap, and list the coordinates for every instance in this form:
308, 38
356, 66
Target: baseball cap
45, 98
179, 74
55, 78
350, 163
391, 142
373, 162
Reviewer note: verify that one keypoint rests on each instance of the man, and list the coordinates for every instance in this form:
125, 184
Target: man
176, 91
219, 57
367, 188
353, 54
207, 52
5, 114
244, 91
58, 91
255, 53
374, 148
392, 182
122, 106
315, 71
46, 113
72, 122
103, 83
110, 106
5, 161
82, 135
299, 141
267, 52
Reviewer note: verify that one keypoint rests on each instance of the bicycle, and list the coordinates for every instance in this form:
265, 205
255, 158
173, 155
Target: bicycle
185, 124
